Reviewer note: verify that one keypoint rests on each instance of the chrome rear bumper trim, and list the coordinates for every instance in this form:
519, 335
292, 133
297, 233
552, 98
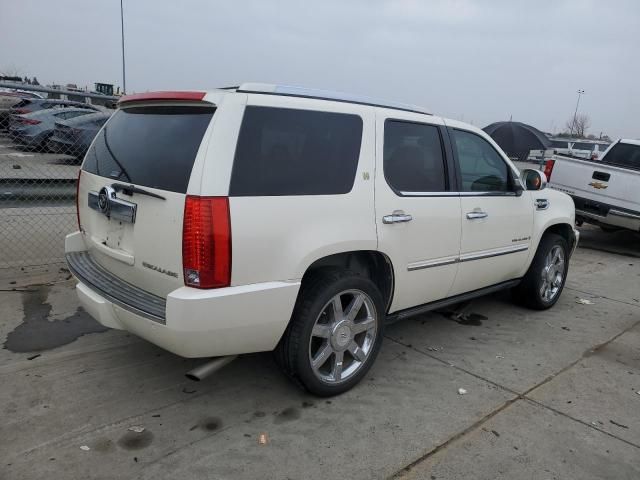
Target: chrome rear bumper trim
121, 293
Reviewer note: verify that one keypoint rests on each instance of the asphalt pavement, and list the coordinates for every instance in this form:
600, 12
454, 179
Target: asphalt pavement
552, 394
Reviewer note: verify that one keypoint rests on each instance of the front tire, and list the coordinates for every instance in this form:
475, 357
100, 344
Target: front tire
335, 332
544, 281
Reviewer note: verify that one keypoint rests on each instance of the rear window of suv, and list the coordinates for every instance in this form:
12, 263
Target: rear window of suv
150, 146
284, 151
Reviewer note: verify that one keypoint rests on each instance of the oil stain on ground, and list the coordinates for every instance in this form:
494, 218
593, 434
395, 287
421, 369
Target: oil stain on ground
135, 440
37, 333
287, 415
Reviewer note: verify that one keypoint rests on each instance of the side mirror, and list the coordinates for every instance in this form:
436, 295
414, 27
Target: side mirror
533, 179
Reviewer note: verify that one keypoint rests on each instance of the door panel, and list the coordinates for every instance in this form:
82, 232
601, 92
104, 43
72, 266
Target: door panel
418, 220
503, 238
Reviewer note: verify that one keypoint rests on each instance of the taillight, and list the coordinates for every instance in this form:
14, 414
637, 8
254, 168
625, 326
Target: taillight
548, 168
21, 110
28, 121
78, 199
206, 242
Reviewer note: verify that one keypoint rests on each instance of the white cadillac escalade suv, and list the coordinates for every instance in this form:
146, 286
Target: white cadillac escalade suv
268, 217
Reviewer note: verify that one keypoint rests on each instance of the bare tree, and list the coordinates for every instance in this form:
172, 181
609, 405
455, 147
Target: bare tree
579, 125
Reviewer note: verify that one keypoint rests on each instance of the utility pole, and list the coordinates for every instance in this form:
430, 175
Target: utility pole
124, 78
573, 125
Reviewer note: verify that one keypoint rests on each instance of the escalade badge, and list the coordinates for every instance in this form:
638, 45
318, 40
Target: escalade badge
598, 185
159, 269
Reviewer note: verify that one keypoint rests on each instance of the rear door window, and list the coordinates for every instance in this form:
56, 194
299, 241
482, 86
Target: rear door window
284, 151
150, 146
624, 155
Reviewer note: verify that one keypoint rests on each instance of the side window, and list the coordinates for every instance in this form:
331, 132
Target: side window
413, 157
73, 114
284, 151
482, 169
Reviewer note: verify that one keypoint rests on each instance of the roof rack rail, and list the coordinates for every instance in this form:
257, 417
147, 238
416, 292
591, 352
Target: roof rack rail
293, 91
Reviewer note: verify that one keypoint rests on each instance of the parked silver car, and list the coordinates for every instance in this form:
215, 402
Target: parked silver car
34, 129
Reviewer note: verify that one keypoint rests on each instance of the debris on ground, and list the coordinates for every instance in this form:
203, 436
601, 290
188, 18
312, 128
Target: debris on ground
499, 357
434, 349
462, 391
136, 428
584, 301
33, 357
85, 448
263, 438
618, 424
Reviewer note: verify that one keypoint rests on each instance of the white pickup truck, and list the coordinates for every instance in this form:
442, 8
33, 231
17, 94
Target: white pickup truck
606, 192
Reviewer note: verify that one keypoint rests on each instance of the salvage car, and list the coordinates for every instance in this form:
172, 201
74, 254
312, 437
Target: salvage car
266, 217
29, 105
74, 136
34, 129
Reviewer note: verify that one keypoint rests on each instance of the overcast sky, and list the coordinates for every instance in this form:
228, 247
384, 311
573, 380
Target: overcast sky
476, 60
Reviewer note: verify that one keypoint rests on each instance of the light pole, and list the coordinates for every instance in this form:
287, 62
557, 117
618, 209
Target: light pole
124, 78
580, 92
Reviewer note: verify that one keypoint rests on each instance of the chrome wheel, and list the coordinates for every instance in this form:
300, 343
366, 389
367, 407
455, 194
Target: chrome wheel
343, 336
552, 274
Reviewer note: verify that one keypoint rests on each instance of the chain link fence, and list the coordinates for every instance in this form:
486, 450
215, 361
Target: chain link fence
44, 134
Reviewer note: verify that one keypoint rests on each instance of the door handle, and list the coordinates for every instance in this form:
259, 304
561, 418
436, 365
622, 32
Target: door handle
477, 214
397, 217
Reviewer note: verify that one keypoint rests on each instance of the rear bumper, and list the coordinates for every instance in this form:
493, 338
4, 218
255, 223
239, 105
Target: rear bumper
614, 218
600, 213
189, 322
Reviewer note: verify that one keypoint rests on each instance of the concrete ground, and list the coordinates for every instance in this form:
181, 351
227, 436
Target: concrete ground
552, 394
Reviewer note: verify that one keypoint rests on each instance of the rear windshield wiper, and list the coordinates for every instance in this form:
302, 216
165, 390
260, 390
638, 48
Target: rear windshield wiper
122, 169
131, 189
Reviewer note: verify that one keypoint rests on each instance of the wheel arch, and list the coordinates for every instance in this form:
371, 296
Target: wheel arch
372, 264
563, 229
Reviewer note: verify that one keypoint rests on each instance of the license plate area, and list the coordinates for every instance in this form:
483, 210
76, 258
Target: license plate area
106, 202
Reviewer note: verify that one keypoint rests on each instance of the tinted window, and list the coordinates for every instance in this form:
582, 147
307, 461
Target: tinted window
74, 114
624, 155
583, 146
22, 103
482, 169
150, 146
295, 152
413, 158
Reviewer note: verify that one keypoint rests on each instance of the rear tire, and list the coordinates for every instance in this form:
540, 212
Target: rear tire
335, 332
543, 283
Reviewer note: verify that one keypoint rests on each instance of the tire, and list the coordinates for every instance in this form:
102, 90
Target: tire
316, 332
530, 292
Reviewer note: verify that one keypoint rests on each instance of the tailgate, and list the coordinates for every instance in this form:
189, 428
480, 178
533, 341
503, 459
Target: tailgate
595, 181
132, 191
